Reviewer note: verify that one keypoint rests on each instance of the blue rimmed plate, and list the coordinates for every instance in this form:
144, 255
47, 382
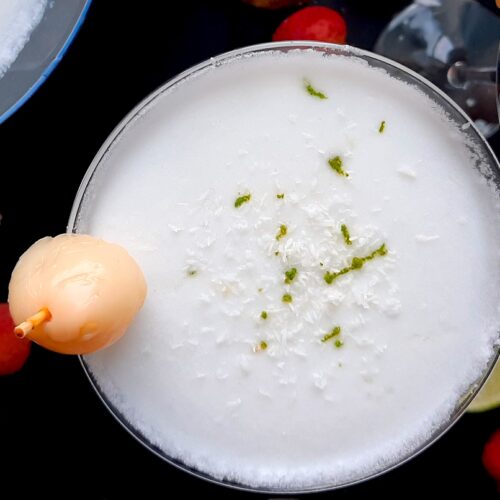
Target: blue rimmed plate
46, 47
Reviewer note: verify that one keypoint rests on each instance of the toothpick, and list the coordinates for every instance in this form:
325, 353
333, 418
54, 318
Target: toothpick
33, 321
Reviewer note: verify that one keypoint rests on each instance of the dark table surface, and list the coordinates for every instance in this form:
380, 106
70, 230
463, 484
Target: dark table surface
55, 434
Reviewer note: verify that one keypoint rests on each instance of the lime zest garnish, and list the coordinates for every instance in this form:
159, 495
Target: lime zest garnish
346, 234
280, 196
287, 298
356, 263
336, 163
263, 314
242, 199
290, 275
382, 127
336, 331
314, 92
282, 232
261, 346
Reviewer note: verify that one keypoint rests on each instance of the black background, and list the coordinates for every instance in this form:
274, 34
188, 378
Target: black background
55, 435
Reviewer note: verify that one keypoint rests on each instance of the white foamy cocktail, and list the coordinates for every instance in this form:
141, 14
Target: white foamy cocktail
322, 263
18, 18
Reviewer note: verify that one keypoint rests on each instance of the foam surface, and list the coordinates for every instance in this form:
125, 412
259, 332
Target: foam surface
418, 324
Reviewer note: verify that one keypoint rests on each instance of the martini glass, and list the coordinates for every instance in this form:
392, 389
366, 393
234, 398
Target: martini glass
454, 44
90, 194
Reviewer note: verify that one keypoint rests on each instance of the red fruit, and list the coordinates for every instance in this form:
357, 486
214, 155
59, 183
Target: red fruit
491, 455
13, 351
313, 23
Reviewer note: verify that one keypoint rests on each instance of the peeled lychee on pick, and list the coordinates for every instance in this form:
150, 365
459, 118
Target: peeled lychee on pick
74, 293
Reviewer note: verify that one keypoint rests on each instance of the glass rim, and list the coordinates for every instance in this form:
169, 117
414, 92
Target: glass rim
332, 50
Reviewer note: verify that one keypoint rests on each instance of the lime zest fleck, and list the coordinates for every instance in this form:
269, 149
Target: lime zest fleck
277, 251
356, 263
339, 343
280, 196
330, 277
314, 92
287, 298
337, 164
260, 290
290, 275
382, 127
192, 272
336, 331
346, 234
263, 314
380, 251
261, 346
242, 199
282, 232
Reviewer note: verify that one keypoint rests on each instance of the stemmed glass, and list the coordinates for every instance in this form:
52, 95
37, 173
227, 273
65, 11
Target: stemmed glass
454, 44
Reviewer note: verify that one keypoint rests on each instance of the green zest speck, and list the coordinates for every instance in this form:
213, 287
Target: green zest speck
282, 232
336, 164
280, 196
313, 92
290, 275
192, 272
242, 199
263, 345
338, 343
346, 234
287, 298
329, 277
263, 314
336, 331
382, 127
356, 263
